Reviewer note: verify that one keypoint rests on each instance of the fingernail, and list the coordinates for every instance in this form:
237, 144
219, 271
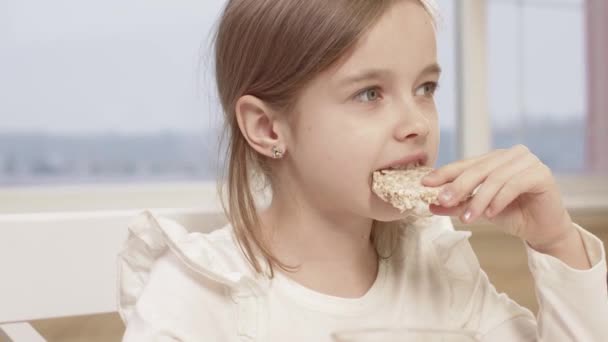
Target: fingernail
467, 216
446, 195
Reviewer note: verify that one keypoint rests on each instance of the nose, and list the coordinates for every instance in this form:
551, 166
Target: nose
413, 124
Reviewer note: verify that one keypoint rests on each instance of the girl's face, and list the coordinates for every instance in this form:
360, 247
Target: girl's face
373, 108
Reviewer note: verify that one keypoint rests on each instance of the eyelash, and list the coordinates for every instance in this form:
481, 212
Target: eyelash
376, 88
434, 87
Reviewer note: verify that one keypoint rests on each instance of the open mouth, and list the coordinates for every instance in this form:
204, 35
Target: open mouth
409, 162
409, 166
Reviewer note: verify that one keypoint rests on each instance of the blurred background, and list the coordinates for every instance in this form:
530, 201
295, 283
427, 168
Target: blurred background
111, 105
114, 91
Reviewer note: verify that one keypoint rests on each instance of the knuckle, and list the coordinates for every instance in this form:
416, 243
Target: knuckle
462, 183
455, 188
501, 151
489, 170
511, 188
521, 148
494, 181
546, 169
528, 160
534, 158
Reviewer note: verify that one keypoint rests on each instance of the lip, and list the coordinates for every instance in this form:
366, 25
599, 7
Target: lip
421, 157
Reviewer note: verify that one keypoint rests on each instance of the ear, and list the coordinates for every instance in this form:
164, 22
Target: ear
259, 125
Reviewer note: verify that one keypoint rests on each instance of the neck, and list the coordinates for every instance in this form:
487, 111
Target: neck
332, 251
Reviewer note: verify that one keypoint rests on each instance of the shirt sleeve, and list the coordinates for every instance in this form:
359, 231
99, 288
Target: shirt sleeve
176, 304
573, 304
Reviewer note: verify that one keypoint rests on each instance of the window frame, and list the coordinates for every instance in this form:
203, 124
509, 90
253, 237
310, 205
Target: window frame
475, 131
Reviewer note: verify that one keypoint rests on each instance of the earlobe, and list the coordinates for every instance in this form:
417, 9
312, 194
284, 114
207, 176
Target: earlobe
258, 125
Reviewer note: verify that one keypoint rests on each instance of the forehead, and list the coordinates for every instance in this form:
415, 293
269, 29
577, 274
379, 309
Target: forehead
403, 41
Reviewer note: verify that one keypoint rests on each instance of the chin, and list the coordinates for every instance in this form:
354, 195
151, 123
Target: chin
385, 212
394, 218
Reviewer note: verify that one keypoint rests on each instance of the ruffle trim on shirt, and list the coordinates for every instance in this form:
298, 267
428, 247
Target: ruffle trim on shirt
457, 264
452, 248
150, 237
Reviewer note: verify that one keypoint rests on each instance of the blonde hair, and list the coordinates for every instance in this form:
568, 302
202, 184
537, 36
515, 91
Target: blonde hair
271, 49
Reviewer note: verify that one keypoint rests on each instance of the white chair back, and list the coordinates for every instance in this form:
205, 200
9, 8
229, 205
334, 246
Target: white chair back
65, 264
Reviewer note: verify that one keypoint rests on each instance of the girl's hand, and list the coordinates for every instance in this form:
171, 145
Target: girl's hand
516, 191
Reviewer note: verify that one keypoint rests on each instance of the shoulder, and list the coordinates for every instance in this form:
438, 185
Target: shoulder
162, 264
172, 302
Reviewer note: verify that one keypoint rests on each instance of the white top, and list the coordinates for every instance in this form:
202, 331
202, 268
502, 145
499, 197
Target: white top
180, 286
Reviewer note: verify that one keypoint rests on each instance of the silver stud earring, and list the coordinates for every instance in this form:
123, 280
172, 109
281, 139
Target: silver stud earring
277, 153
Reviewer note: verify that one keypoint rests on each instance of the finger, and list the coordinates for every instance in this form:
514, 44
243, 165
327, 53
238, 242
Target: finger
452, 211
465, 183
493, 183
523, 182
449, 172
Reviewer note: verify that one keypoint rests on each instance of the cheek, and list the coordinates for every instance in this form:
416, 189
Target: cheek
325, 147
336, 151
340, 142
433, 138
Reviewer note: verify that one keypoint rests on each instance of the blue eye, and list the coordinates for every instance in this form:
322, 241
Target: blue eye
428, 89
368, 95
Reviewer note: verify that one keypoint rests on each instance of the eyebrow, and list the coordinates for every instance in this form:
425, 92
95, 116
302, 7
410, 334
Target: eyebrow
372, 74
431, 69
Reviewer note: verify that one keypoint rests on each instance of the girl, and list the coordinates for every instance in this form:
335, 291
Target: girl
317, 95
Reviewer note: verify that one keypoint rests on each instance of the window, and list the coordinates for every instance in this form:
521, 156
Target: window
106, 92
112, 92
538, 79
446, 96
